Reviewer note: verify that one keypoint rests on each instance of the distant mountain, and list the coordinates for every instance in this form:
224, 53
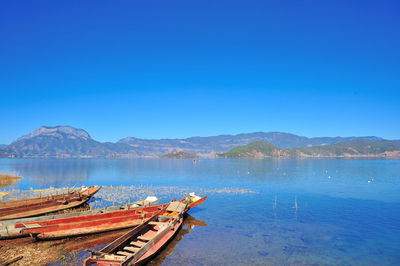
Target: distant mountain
352, 148
62, 142
70, 142
222, 143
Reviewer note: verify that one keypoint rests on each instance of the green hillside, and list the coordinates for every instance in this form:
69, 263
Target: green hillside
257, 148
357, 147
362, 147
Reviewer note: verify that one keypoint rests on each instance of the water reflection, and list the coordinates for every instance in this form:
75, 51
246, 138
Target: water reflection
57, 173
8, 180
188, 224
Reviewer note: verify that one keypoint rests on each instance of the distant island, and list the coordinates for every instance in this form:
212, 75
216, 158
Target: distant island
70, 142
352, 148
179, 155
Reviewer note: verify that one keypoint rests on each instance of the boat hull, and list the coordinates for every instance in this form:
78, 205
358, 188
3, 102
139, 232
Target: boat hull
46, 205
88, 224
91, 224
139, 245
159, 245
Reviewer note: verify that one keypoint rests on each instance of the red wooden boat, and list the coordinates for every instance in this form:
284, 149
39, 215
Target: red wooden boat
95, 240
142, 243
13, 228
37, 206
94, 223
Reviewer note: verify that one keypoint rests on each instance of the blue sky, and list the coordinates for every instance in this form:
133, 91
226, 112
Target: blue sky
172, 69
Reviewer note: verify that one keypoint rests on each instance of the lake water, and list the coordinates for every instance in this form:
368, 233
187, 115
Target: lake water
258, 211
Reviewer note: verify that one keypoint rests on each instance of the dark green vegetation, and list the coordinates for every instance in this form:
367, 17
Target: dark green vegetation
69, 142
351, 148
356, 147
179, 154
257, 148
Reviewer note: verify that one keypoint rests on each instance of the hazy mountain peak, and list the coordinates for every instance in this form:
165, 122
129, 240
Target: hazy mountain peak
128, 140
58, 131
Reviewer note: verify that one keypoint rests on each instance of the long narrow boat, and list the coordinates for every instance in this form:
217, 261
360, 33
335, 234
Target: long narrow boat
14, 228
142, 243
37, 206
94, 223
25, 202
96, 240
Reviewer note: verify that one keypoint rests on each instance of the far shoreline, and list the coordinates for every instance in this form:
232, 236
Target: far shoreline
199, 158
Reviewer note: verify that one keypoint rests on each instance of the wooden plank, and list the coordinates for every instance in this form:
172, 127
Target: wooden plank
131, 249
176, 206
114, 257
157, 223
124, 253
138, 243
144, 238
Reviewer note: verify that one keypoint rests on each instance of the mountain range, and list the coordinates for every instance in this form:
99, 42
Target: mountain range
70, 142
351, 148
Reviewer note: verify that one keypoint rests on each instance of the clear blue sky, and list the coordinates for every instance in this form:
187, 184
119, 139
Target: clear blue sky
172, 69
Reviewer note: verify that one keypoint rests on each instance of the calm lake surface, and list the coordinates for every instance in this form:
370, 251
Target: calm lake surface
258, 211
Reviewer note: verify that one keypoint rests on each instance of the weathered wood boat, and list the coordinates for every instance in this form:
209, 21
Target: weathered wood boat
142, 243
16, 227
96, 240
169, 248
37, 206
93, 223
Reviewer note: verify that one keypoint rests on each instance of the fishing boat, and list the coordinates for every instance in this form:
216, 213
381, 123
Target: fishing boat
93, 223
188, 224
143, 242
42, 205
96, 240
15, 227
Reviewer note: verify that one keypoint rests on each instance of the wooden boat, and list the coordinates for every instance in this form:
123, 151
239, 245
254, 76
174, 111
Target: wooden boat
24, 202
37, 206
93, 223
142, 243
15, 228
96, 240
190, 223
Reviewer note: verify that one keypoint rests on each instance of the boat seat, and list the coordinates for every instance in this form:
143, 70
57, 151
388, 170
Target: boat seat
157, 223
131, 249
114, 257
165, 217
124, 253
138, 243
144, 238
176, 206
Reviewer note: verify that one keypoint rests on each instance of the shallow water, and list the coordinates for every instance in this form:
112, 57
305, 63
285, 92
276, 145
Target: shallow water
306, 211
